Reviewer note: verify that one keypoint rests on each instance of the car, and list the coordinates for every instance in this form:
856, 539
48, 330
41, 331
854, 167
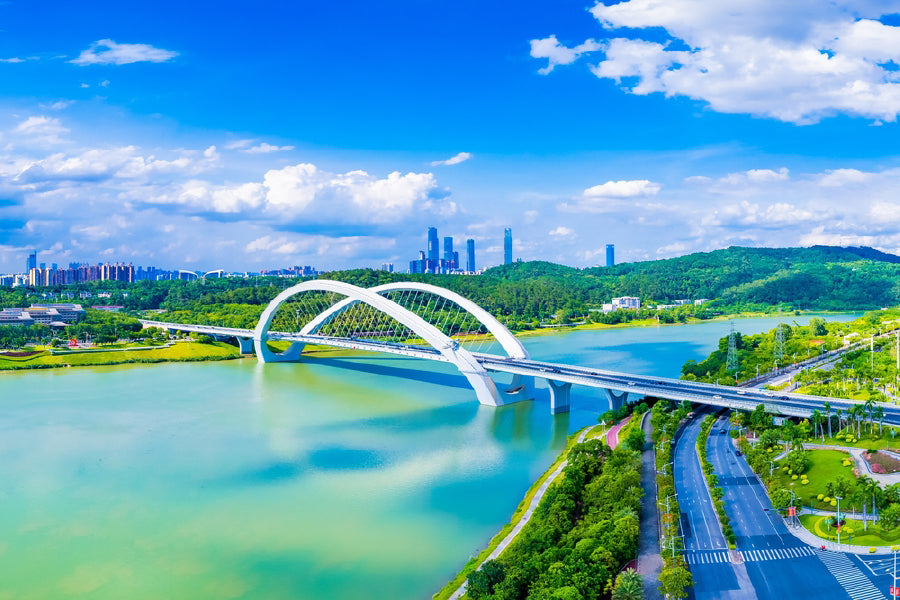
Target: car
717, 397
741, 392
738, 453
631, 383
721, 432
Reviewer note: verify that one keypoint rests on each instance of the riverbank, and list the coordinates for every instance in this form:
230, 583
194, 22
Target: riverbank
552, 472
177, 352
655, 323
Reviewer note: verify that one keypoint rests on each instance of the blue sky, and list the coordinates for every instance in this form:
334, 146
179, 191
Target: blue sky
205, 135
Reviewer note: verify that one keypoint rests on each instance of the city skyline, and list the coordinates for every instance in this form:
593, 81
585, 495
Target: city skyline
568, 123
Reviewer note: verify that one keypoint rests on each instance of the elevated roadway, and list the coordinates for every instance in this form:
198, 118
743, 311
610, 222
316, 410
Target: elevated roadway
561, 376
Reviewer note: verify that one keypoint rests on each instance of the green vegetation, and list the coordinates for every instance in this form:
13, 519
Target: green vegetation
527, 295
585, 528
474, 561
860, 534
178, 352
859, 374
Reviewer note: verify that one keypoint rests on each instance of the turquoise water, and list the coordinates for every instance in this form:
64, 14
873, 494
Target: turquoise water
332, 478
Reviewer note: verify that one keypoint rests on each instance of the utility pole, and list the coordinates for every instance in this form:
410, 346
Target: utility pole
731, 363
779, 338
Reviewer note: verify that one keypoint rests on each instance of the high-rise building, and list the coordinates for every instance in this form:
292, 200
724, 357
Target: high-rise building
610, 255
433, 245
448, 248
31, 263
470, 255
507, 246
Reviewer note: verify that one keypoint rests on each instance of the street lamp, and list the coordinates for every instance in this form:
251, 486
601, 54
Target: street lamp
771, 468
838, 517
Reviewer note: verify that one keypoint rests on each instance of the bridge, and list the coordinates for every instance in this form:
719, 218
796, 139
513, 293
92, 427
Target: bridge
428, 322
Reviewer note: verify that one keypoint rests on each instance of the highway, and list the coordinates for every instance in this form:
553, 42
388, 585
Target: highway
777, 564
705, 548
796, 405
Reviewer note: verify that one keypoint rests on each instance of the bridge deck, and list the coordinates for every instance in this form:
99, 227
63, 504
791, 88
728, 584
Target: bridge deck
797, 405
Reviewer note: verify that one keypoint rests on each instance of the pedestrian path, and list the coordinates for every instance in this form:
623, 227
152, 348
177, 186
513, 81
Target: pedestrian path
851, 577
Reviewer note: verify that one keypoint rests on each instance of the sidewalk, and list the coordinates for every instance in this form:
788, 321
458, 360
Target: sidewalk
649, 561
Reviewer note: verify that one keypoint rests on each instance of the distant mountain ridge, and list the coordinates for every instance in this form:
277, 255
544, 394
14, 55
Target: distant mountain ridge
818, 277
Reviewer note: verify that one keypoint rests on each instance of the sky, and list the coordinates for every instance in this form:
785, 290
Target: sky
243, 136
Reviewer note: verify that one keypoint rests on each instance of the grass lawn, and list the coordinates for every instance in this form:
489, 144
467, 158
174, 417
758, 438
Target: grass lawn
875, 536
182, 351
868, 441
825, 466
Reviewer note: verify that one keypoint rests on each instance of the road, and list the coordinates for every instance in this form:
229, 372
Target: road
715, 577
777, 563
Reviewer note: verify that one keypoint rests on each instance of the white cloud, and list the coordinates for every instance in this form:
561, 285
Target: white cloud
795, 61
58, 105
13, 60
238, 144
562, 231
265, 148
557, 54
841, 177
453, 160
756, 176
623, 189
108, 52
48, 130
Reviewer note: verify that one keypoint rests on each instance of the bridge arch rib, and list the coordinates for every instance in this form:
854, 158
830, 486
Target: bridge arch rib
451, 351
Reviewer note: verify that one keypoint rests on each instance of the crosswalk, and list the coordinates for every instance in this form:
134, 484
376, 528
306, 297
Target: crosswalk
707, 557
776, 554
851, 578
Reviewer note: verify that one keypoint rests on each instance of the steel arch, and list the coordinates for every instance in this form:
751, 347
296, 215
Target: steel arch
467, 364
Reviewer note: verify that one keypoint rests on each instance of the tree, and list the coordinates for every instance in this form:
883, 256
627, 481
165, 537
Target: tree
629, 586
675, 581
827, 407
817, 326
635, 439
798, 460
890, 517
481, 582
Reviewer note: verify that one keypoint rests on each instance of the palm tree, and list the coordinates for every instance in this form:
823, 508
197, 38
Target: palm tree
828, 416
629, 586
815, 418
840, 420
879, 414
869, 406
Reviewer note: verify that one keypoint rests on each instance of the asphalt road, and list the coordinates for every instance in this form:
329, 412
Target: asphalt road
778, 564
715, 577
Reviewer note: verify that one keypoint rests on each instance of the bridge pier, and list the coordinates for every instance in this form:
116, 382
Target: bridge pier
263, 354
559, 396
245, 345
616, 400
520, 388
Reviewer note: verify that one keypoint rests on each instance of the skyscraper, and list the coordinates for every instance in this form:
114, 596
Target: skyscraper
610, 255
448, 248
31, 263
470, 255
433, 245
507, 246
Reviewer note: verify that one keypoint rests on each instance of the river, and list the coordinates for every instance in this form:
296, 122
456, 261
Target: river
371, 477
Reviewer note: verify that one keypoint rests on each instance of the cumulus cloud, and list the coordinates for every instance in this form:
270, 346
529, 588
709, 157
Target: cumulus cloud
108, 52
558, 54
42, 129
562, 231
612, 196
793, 61
453, 160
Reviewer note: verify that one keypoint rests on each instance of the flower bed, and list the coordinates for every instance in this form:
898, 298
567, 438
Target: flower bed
881, 463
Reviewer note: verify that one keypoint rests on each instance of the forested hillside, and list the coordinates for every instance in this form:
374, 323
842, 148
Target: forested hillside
524, 295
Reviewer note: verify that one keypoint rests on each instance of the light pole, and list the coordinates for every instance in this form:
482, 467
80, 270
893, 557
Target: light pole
838, 517
757, 371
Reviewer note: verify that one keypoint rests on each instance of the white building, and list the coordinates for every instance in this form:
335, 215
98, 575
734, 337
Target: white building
626, 302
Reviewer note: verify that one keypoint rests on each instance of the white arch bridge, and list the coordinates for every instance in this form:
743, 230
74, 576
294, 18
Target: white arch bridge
429, 322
